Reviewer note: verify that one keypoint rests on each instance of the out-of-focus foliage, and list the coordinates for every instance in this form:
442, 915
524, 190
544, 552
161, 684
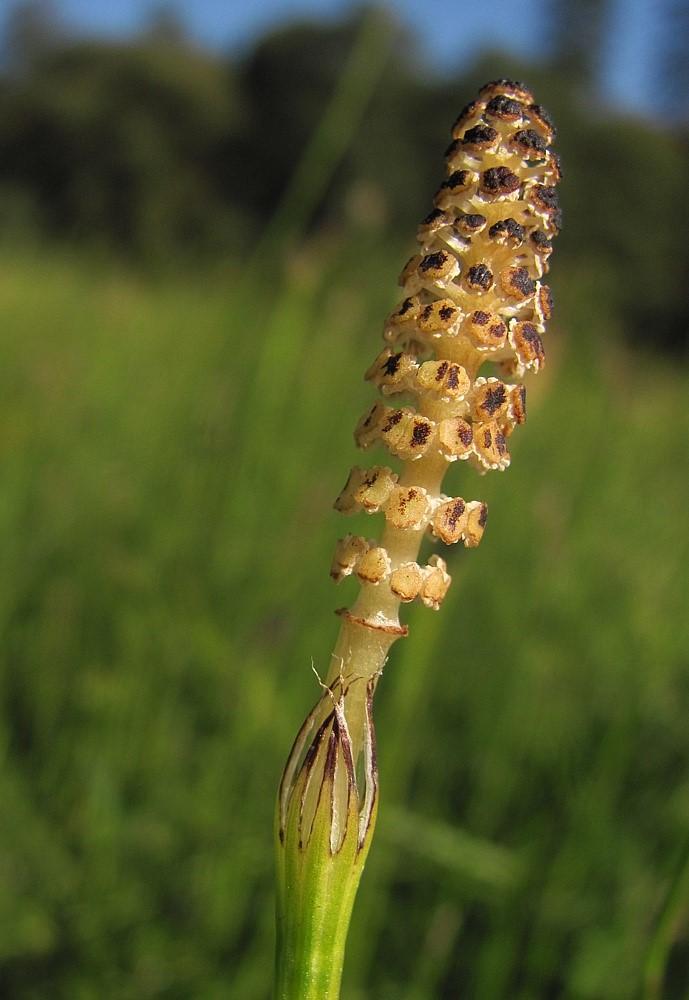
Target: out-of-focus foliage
160, 149
170, 444
121, 144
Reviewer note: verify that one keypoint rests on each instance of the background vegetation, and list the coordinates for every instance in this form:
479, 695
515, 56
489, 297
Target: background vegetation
197, 255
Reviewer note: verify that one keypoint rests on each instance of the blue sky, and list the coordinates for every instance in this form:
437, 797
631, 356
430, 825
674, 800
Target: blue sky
448, 30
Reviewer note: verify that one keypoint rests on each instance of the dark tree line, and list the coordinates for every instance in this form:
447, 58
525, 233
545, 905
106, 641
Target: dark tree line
157, 148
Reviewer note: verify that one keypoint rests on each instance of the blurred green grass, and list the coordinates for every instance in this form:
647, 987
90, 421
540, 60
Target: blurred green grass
170, 450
